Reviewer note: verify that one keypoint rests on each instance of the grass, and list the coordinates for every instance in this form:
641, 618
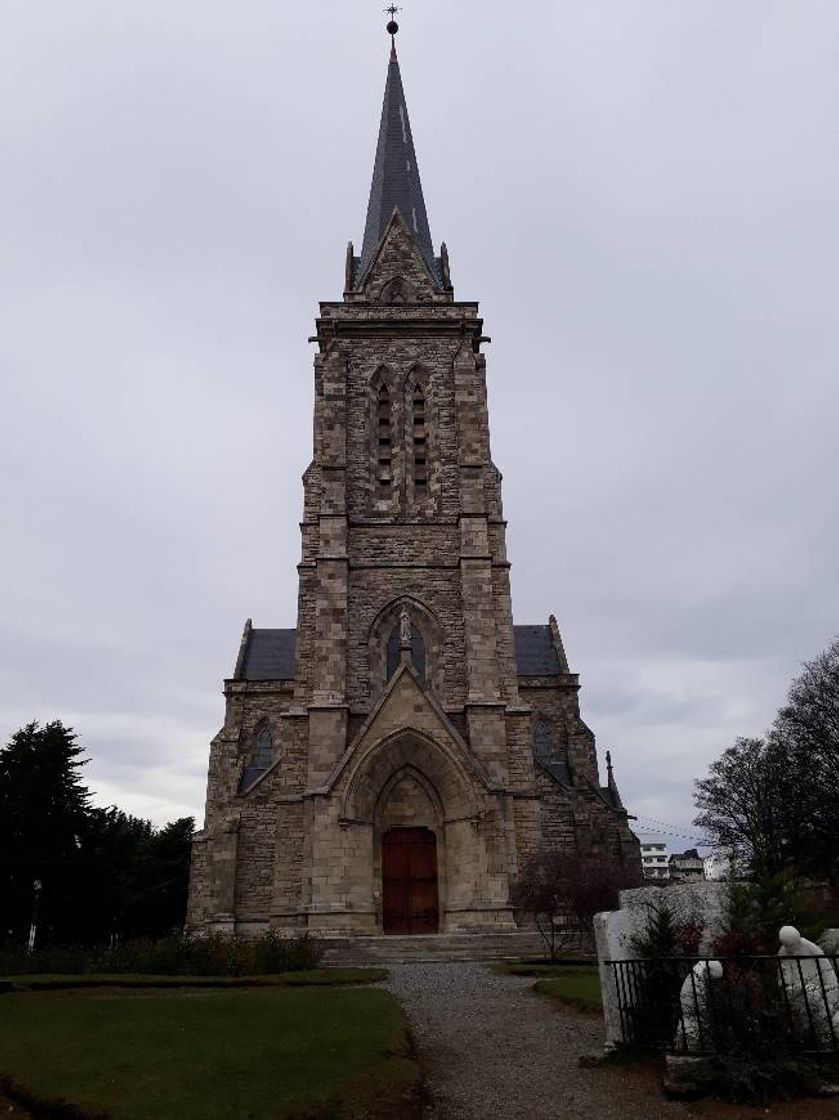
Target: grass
317, 977
578, 988
540, 968
317, 1053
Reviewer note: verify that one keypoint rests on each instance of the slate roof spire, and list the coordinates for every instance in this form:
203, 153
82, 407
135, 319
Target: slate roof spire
396, 178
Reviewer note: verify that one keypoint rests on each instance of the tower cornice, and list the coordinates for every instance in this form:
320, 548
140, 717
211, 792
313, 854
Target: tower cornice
353, 322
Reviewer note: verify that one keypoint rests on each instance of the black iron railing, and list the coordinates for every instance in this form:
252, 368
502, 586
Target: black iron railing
693, 1005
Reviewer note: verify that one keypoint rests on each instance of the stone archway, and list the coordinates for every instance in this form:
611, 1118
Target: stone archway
419, 803
409, 853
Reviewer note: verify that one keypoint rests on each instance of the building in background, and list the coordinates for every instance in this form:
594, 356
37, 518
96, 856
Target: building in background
717, 865
654, 857
687, 867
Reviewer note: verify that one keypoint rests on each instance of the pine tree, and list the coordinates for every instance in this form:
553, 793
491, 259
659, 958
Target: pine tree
43, 818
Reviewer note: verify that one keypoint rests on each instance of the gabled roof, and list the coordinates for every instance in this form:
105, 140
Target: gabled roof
535, 651
269, 656
396, 180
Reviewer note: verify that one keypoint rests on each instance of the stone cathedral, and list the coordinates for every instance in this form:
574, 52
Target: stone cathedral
388, 766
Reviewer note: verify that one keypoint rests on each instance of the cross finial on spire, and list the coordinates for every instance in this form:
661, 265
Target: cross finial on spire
393, 26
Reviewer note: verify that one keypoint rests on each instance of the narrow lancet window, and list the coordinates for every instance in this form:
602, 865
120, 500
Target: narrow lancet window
384, 470
264, 753
420, 437
261, 759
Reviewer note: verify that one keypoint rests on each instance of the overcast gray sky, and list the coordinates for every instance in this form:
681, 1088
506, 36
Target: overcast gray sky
642, 194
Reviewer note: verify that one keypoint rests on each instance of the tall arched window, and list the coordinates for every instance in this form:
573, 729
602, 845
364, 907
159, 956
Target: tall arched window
394, 651
541, 741
384, 427
420, 437
263, 754
261, 758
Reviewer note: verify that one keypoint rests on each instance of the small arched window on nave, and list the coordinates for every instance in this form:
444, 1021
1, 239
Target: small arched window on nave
260, 759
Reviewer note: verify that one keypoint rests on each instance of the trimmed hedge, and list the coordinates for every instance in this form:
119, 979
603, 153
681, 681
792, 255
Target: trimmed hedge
215, 955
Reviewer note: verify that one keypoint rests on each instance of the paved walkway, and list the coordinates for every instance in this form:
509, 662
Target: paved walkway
492, 1050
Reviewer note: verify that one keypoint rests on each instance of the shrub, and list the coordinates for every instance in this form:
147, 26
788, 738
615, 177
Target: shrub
755, 1053
563, 890
663, 941
756, 910
215, 955
665, 935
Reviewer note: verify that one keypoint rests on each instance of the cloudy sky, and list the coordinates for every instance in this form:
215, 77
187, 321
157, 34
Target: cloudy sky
642, 194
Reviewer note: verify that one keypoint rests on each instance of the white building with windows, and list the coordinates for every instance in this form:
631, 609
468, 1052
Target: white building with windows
654, 859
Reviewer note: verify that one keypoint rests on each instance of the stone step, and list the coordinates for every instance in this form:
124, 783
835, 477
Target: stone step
397, 948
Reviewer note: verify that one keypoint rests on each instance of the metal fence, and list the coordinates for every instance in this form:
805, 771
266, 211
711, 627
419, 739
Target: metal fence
690, 1005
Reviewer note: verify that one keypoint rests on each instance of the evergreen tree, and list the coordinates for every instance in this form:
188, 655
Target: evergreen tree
104, 874
43, 817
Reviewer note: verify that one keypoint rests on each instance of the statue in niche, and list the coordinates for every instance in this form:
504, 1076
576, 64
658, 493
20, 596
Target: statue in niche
811, 986
694, 1032
405, 632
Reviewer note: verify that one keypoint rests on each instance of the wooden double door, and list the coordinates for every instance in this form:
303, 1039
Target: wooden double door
409, 881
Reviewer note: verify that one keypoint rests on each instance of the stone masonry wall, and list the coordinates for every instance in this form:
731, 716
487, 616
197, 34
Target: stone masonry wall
354, 753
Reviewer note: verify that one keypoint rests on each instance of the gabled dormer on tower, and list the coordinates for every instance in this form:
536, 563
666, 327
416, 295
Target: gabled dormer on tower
397, 262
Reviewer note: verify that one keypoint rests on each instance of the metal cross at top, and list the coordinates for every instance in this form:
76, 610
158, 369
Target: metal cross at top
393, 26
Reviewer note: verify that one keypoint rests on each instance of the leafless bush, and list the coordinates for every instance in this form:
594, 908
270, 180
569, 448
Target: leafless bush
563, 890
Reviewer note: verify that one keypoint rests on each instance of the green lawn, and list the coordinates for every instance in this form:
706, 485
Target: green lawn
262, 1054
576, 987
317, 977
540, 968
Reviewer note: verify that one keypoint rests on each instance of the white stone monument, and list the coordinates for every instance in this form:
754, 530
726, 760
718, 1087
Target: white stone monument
811, 988
695, 1030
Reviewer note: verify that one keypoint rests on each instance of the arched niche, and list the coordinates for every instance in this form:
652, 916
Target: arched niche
426, 638
396, 291
408, 800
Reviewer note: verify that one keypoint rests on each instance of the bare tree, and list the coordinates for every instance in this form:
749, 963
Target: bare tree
563, 890
741, 802
774, 802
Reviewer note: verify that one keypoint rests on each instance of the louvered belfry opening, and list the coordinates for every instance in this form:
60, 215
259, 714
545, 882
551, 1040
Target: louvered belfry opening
384, 472
420, 443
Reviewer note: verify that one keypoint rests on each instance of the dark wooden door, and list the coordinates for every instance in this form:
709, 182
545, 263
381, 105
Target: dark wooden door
409, 881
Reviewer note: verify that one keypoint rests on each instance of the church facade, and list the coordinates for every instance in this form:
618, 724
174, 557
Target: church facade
391, 764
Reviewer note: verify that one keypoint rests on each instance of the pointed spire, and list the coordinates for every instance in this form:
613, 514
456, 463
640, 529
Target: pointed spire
611, 784
396, 178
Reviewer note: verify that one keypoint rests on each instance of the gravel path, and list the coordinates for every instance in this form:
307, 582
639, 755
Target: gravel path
492, 1050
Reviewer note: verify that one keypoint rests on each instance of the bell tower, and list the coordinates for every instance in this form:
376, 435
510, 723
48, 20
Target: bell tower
409, 722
